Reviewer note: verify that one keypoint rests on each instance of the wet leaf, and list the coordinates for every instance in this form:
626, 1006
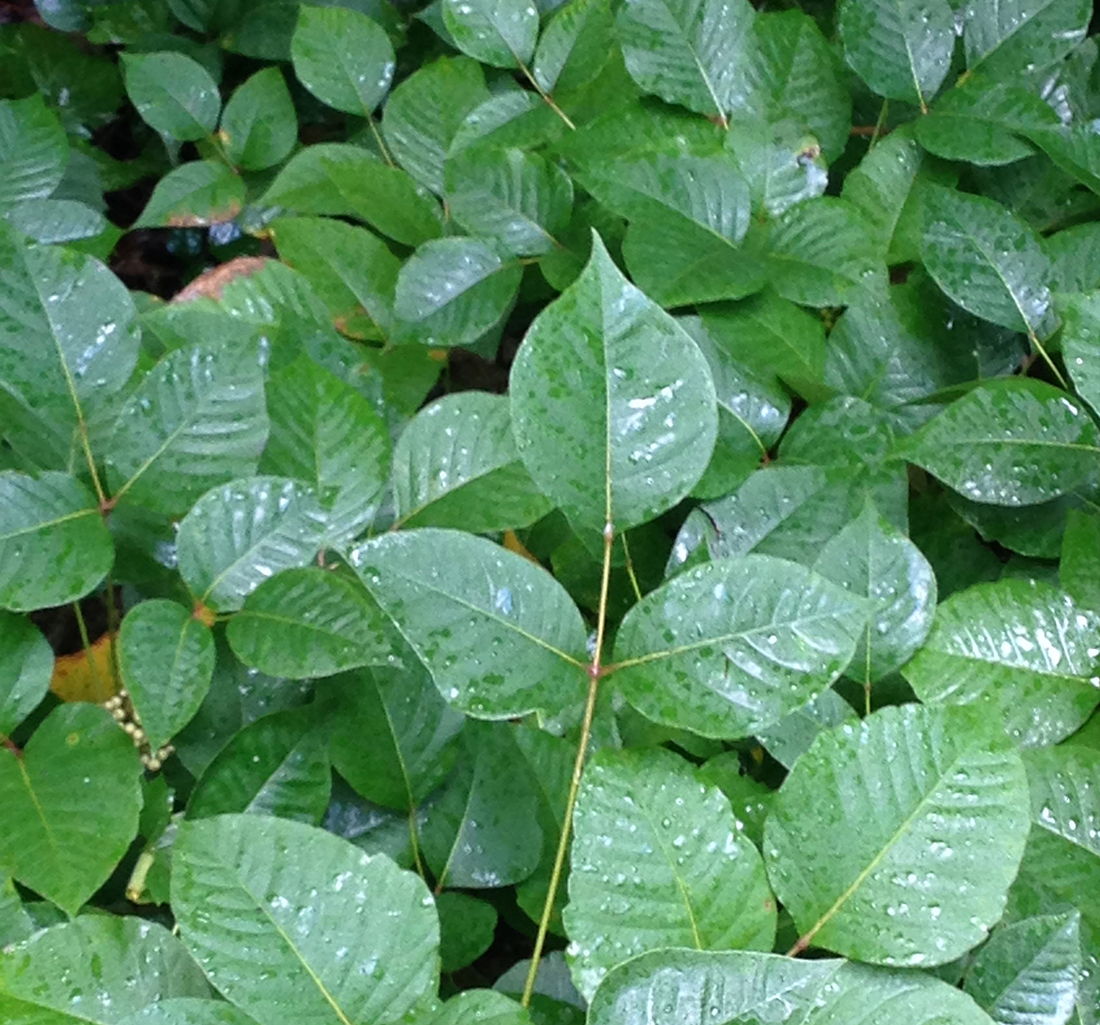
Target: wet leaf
175, 94
26, 664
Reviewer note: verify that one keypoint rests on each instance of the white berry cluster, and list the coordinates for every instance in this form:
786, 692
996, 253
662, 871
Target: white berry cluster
124, 713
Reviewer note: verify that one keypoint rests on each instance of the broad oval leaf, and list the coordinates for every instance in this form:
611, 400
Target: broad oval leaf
895, 841
452, 290
613, 405
69, 804
1022, 37
1014, 442
987, 260
730, 647
166, 660
189, 1011
113, 965
456, 465
497, 32
54, 545
26, 664
873, 559
333, 935
199, 418
259, 125
1020, 649
194, 195
481, 1007
746, 988
175, 94
238, 535
687, 51
343, 57
901, 49
499, 635
658, 861
1081, 347
33, 150
308, 622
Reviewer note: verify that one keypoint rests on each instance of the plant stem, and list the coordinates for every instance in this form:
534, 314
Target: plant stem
82, 627
594, 673
1047, 358
381, 144
546, 97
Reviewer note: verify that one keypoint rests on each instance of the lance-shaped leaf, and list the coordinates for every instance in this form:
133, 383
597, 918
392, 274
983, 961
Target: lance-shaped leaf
1020, 37
497, 32
658, 861
343, 57
393, 737
69, 805
68, 343
238, 535
325, 433
54, 545
1021, 649
987, 260
895, 841
901, 49
166, 658
732, 646
174, 93
26, 664
613, 405
873, 559
1013, 442
1028, 971
500, 636
456, 465
687, 51
198, 419
115, 965
295, 924
452, 290
308, 622
746, 988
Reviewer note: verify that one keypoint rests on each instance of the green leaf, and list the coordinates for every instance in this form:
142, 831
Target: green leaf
194, 195
173, 93
26, 664
166, 660
259, 125
238, 535
51, 221
782, 163
452, 290
198, 419
33, 150
745, 988
1080, 565
772, 336
984, 122
70, 803
730, 647
343, 57
456, 465
520, 199
426, 110
326, 434
794, 734
333, 935
499, 635
791, 72
112, 965
68, 344
483, 831
693, 879
924, 821
612, 403
346, 181
574, 46
466, 927
902, 50
987, 260
481, 1006
1073, 149
1013, 442
1081, 347
1029, 971
54, 545
497, 32
1074, 266
393, 737
278, 765
308, 622
1021, 650
187, 1011
687, 51
1010, 38
820, 252
873, 559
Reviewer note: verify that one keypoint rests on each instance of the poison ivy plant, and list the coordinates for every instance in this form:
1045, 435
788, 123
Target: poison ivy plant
540, 512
